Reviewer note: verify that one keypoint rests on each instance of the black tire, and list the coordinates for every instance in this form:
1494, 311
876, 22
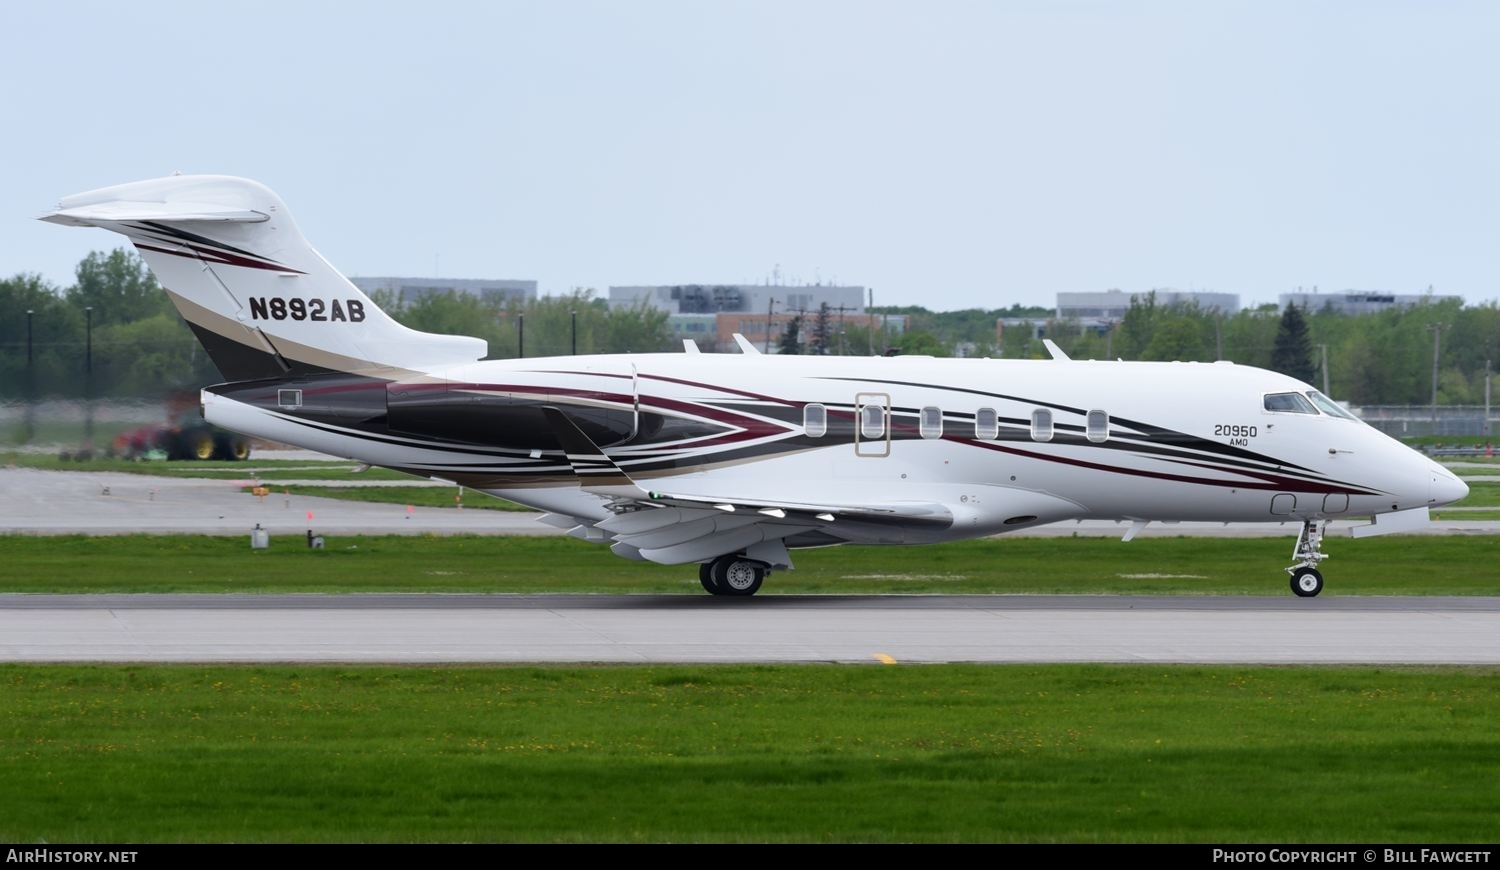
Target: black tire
231, 448
706, 577
197, 444
1307, 582
738, 577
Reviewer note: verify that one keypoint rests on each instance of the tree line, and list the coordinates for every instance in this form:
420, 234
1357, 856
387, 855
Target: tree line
1382, 358
140, 347
114, 332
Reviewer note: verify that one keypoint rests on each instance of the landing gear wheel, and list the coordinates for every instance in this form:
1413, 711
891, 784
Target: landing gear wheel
706, 577
197, 444
1306, 579
735, 576
1307, 582
231, 448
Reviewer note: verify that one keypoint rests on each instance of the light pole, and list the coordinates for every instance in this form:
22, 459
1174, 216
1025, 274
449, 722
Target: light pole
1437, 343
770, 312
1487, 397
30, 383
88, 378
521, 335
1324, 349
574, 316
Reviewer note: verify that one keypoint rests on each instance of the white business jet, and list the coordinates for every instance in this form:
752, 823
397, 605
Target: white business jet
731, 461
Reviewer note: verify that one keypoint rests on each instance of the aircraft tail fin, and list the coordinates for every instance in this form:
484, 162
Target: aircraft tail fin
259, 298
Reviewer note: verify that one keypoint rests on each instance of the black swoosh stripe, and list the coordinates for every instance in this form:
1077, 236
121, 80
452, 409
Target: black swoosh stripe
1149, 429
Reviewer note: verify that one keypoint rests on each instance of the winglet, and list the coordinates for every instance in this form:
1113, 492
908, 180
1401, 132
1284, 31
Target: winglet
689, 346
596, 471
1057, 352
745, 346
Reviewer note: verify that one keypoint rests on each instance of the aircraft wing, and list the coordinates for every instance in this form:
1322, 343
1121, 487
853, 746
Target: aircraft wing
677, 528
919, 513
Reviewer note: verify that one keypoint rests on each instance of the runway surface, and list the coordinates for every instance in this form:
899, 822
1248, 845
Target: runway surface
38, 502
680, 628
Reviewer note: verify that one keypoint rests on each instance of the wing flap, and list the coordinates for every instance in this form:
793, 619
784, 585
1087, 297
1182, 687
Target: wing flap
732, 541
644, 520
917, 513
681, 533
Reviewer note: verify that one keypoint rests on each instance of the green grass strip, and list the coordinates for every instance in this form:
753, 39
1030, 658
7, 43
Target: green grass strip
1443, 565
417, 496
1481, 494
749, 753
266, 469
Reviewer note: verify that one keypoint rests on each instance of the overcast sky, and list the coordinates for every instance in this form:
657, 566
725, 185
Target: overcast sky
947, 154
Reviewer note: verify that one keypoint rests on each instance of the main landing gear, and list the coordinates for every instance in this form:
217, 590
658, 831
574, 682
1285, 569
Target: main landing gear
732, 575
1307, 580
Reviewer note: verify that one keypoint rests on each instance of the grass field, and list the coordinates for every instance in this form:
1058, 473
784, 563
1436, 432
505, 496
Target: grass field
1448, 565
266, 469
273, 472
1481, 494
746, 753
419, 496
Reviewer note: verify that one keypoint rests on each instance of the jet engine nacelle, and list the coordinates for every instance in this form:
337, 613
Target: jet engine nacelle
494, 418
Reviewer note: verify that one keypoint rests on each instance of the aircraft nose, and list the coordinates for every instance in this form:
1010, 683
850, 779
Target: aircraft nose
1444, 487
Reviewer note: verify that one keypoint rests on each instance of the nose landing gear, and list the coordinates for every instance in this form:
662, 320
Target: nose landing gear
1307, 580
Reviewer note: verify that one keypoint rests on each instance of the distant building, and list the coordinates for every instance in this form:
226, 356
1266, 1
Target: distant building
1353, 302
697, 311
409, 290
1034, 327
717, 298
1112, 305
753, 328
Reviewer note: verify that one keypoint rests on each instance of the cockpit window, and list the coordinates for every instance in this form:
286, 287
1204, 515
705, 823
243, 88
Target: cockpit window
1289, 403
1329, 406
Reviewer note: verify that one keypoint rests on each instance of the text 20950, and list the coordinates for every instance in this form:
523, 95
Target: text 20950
1235, 430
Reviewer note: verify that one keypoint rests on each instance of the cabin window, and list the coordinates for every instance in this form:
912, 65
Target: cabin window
289, 398
872, 421
1329, 406
986, 424
1098, 427
1289, 403
930, 424
1041, 425
815, 420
